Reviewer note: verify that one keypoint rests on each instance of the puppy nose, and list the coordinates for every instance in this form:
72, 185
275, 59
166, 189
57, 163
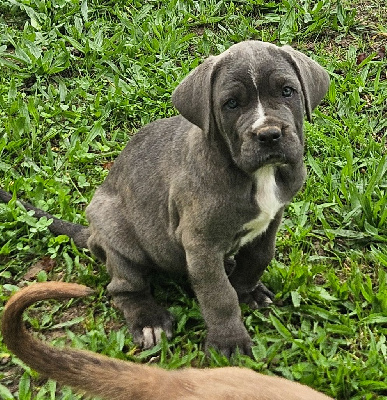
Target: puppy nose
269, 134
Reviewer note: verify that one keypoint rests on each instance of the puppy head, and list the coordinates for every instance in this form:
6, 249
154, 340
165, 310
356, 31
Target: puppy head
254, 95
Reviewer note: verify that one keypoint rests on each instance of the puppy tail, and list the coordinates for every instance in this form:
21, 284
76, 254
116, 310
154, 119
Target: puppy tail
85, 371
77, 232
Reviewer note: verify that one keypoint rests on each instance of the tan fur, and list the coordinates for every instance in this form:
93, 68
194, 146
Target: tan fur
113, 379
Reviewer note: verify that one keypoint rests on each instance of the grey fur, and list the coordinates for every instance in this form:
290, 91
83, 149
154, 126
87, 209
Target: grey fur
190, 192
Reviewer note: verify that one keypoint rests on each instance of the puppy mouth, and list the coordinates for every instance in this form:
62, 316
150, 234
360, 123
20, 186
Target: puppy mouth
252, 158
273, 159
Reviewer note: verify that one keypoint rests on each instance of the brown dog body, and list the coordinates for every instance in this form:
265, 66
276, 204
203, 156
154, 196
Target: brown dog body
112, 379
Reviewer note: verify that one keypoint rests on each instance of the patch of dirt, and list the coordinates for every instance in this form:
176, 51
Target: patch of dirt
371, 16
10, 374
366, 35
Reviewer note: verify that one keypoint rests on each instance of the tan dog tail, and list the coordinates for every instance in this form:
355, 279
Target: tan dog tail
83, 370
112, 379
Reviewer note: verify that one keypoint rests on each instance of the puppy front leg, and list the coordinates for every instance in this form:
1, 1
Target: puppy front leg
218, 302
130, 290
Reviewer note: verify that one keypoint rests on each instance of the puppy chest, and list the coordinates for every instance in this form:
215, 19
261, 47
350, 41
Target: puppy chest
267, 199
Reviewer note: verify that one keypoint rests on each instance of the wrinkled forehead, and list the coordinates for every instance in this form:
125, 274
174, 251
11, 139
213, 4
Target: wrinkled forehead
252, 47
252, 62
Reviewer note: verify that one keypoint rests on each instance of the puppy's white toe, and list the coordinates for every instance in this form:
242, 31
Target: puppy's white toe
266, 302
157, 334
148, 338
151, 336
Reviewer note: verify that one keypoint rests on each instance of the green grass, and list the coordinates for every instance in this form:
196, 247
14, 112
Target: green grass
79, 78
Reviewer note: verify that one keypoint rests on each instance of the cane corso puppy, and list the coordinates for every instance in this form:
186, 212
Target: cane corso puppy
192, 192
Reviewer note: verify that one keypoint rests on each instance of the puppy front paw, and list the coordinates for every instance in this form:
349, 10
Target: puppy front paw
230, 344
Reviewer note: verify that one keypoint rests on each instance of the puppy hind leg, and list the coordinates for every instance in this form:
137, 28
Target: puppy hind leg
251, 261
245, 279
131, 293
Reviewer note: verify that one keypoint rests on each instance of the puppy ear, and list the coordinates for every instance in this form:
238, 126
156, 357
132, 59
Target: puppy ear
313, 78
193, 96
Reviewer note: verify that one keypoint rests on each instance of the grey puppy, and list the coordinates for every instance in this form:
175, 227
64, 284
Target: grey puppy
190, 192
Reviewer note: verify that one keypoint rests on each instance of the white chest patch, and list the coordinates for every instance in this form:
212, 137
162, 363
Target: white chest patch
268, 203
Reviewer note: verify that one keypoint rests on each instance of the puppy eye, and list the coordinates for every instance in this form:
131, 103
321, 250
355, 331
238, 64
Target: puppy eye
232, 104
287, 91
